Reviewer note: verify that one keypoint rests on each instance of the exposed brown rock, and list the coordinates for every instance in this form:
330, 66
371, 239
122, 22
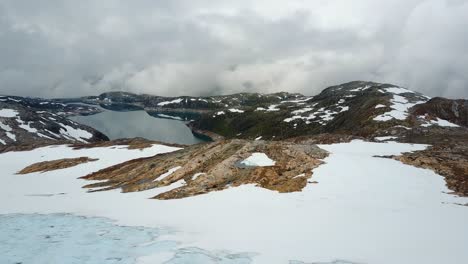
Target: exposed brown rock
205, 133
448, 160
219, 163
455, 111
55, 165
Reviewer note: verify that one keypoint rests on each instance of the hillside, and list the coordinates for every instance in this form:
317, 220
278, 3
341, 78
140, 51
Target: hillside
363, 109
29, 122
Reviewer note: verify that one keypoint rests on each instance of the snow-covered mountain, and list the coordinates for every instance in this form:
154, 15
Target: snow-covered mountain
28, 121
359, 108
363, 109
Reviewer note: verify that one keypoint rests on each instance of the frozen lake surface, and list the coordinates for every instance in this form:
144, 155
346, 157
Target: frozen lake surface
65, 238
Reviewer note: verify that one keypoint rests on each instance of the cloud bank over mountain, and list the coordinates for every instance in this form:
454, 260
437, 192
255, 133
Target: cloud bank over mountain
61, 48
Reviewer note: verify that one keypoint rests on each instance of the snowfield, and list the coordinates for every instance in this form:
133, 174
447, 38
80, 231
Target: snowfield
8, 113
438, 122
258, 160
175, 101
235, 110
400, 106
364, 209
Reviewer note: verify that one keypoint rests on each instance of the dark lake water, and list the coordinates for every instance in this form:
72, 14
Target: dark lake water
116, 124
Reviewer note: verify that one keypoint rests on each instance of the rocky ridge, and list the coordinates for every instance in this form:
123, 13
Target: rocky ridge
214, 166
55, 165
22, 124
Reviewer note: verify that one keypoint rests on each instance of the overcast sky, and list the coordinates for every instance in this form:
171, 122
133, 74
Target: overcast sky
60, 48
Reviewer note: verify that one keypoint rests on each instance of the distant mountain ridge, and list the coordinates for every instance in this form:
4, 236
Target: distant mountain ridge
359, 108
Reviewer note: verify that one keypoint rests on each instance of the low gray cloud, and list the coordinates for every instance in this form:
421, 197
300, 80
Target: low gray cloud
62, 48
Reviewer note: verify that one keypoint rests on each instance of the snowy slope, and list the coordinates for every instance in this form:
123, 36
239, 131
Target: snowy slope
357, 212
20, 125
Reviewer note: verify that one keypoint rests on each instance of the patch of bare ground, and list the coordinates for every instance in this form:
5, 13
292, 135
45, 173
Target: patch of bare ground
214, 166
449, 160
55, 165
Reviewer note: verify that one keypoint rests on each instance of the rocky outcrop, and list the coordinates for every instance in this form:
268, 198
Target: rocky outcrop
55, 165
23, 125
455, 111
448, 160
214, 166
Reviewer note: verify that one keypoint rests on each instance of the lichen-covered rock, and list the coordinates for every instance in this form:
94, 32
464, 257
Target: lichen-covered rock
214, 166
55, 165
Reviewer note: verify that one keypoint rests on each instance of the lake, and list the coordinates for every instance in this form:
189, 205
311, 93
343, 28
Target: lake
129, 124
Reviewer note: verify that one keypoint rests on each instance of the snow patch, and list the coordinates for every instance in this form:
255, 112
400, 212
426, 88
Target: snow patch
301, 111
360, 89
400, 106
385, 138
258, 159
170, 117
176, 101
8, 113
439, 122
234, 110
398, 90
78, 134
197, 175
168, 173
5, 127
287, 120
11, 136
272, 108
26, 126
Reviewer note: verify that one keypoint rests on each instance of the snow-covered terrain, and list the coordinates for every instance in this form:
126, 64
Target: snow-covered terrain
439, 122
258, 160
234, 110
8, 113
176, 101
24, 125
400, 106
357, 212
